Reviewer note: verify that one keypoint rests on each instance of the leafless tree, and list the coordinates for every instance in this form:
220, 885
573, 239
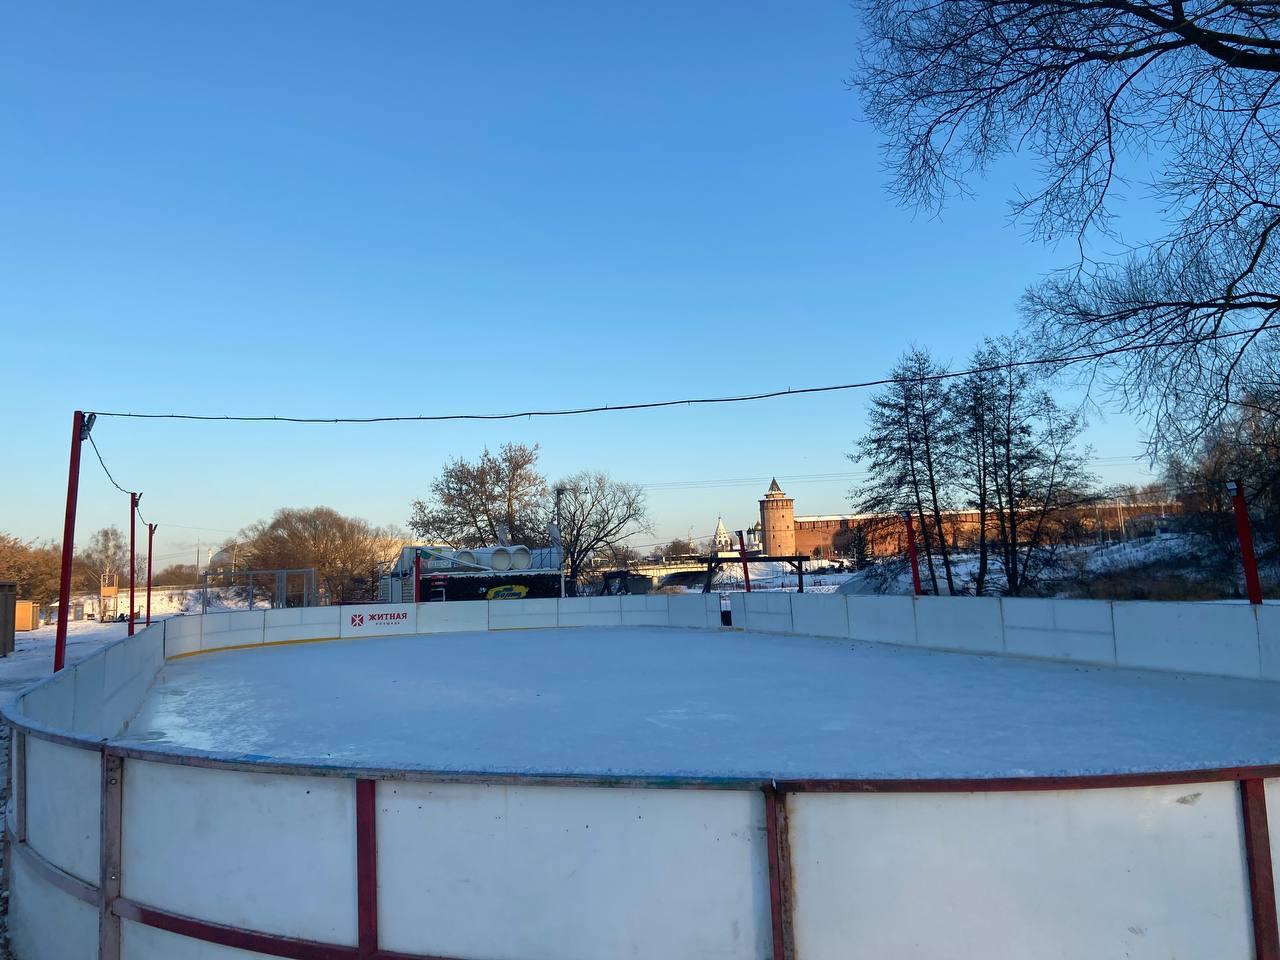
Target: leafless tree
598, 514
679, 547
1035, 468
471, 500
969, 407
1106, 93
34, 567
105, 555
345, 551
907, 449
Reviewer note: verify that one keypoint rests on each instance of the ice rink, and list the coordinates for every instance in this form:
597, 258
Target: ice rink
654, 701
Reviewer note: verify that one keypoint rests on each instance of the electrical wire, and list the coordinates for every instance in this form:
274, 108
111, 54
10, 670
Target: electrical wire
703, 401
104, 466
137, 509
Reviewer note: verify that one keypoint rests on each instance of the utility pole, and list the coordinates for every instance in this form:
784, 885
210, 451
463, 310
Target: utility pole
559, 538
151, 536
133, 554
80, 427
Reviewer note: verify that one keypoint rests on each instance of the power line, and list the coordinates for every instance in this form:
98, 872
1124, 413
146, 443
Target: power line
703, 401
104, 466
98, 452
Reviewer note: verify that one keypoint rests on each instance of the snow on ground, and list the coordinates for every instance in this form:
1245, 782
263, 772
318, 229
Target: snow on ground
652, 701
32, 658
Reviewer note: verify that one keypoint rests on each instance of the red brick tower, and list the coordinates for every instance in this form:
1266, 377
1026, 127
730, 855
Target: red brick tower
778, 522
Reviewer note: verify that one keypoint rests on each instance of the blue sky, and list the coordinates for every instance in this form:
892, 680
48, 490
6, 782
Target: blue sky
352, 210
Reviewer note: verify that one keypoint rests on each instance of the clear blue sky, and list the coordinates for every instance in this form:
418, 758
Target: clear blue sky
324, 209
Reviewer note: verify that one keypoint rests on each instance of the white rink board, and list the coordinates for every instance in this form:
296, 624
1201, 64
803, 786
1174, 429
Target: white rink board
571, 872
301, 623
47, 924
450, 617
820, 614
1140, 873
239, 628
377, 619
590, 612
64, 804
222, 846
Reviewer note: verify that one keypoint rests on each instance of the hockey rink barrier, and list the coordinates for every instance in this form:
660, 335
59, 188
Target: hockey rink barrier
120, 851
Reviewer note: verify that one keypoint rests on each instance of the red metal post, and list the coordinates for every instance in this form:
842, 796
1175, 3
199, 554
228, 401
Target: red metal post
151, 536
367, 867
417, 575
1262, 889
746, 574
911, 551
68, 542
133, 555
1252, 585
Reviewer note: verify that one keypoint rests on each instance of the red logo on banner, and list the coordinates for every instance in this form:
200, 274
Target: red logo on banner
357, 619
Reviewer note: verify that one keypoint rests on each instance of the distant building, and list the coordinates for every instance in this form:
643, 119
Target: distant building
721, 542
778, 522
785, 534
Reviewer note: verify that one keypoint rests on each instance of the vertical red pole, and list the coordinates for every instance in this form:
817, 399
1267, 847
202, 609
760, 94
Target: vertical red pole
68, 542
367, 868
746, 574
133, 556
417, 575
151, 536
1252, 585
911, 551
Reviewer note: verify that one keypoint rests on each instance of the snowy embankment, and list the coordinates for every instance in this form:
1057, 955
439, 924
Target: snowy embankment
32, 658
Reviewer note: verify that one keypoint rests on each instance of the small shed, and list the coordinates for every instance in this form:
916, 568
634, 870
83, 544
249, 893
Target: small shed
26, 615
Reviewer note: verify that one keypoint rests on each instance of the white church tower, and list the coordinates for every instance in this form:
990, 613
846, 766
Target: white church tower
721, 542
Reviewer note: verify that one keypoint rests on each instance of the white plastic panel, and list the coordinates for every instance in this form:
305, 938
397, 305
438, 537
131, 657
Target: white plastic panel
139, 942
696, 610
969, 624
768, 612
522, 614
590, 612
882, 620
1072, 630
90, 683
820, 614
64, 806
52, 703
453, 616
241, 848
181, 635
1268, 620
512, 873
377, 619
241, 628
645, 610
47, 924
1139, 873
130, 666
1215, 638
301, 623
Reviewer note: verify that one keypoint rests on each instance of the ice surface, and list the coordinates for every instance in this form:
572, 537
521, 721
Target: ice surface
652, 701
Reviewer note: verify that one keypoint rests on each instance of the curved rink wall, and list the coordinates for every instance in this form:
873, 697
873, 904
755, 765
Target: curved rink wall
121, 852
